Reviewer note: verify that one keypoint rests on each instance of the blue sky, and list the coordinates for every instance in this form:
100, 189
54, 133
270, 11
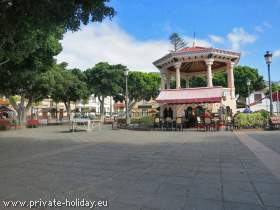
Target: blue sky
138, 34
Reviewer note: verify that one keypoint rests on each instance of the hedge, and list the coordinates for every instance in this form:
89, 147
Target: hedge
147, 121
252, 120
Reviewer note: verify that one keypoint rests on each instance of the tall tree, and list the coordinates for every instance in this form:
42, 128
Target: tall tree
141, 86
177, 42
105, 80
23, 23
69, 87
241, 76
275, 87
30, 80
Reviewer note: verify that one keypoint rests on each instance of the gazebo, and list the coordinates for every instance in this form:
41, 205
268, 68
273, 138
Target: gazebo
193, 61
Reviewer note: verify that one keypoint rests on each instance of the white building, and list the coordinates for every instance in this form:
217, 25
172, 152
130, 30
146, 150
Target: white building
258, 101
93, 105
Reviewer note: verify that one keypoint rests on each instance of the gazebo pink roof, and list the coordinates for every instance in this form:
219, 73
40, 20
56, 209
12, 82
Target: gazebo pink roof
190, 95
192, 59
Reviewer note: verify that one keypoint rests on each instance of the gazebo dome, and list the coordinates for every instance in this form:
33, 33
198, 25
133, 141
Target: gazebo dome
193, 59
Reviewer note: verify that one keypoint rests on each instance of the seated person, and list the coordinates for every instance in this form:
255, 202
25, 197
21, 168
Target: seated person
247, 110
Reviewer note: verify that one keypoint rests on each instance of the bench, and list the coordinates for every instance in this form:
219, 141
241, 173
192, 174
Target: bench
275, 121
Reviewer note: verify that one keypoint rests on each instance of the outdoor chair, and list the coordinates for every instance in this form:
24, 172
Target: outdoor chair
229, 123
179, 124
199, 123
156, 122
169, 124
216, 124
207, 124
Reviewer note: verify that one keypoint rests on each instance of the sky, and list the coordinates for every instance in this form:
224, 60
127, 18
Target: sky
138, 34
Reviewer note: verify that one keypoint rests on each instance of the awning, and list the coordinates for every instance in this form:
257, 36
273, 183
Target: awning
276, 96
190, 95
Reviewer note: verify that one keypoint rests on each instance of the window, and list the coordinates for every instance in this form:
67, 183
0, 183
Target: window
257, 98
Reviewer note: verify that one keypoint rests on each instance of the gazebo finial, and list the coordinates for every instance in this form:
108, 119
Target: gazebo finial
194, 40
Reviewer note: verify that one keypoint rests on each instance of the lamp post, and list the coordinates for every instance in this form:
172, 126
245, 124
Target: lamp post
126, 97
248, 86
268, 60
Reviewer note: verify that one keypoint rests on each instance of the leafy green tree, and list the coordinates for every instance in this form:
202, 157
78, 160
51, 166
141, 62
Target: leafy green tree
23, 23
177, 42
198, 81
220, 79
69, 87
31, 80
241, 76
105, 80
141, 86
275, 87
31, 89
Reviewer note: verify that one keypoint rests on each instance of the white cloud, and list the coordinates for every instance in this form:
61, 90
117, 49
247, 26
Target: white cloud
216, 39
259, 29
108, 42
239, 36
264, 25
276, 53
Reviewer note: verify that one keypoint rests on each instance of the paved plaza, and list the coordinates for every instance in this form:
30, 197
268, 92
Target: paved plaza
141, 170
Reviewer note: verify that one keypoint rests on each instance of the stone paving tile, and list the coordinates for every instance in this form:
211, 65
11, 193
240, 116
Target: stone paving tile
271, 199
241, 196
240, 206
209, 193
164, 201
203, 204
269, 139
268, 188
237, 186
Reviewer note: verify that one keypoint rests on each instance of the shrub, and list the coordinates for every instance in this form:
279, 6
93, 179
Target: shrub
121, 121
32, 123
245, 120
3, 128
264, 113
4, 124
147, 121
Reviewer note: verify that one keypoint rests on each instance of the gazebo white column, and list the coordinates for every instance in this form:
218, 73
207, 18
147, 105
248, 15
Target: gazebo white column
230, 76
178, 77
187, 81
209, 63
163, 79
168, 77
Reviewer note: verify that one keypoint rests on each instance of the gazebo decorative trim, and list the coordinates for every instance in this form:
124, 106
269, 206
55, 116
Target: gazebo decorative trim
190, 95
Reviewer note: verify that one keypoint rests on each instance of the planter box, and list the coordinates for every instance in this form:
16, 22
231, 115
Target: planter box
32, 123
5, 124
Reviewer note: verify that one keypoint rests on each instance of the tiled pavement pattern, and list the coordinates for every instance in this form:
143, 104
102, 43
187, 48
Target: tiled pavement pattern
136, 170
269, 139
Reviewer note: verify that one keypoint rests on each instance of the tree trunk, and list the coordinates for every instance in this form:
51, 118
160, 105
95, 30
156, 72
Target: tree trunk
68, 109
101, 100
4, 62
130, 106
21, 109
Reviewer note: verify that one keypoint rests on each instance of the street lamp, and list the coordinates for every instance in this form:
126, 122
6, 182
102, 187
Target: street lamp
268, 60
248, 86
126, 97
